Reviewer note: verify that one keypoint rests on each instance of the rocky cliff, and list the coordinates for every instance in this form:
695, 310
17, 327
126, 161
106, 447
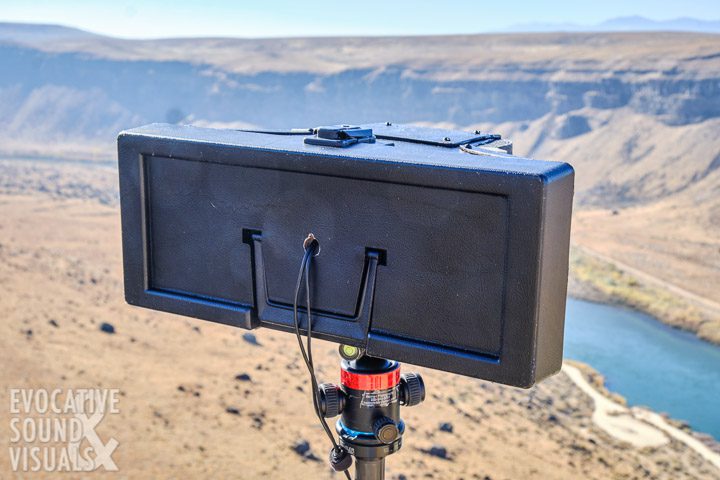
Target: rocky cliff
76, 87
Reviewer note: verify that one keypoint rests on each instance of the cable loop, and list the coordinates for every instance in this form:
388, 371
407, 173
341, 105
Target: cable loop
312, 249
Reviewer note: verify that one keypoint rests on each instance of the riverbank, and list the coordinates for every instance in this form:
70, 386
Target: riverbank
647, 362
640, 427
597, 278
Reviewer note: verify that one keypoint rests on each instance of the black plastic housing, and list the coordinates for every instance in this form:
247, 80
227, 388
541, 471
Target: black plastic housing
429, 254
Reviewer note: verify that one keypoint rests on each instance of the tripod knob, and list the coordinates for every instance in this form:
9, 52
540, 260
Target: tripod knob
412, 389
385, 430
332, 399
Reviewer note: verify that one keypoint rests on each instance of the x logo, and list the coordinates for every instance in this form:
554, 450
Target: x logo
103, 451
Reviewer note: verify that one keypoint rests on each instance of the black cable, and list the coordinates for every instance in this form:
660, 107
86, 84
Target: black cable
316, 400
295, 305
310, 252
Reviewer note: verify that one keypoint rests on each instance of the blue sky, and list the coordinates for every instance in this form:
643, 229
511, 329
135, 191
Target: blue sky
273, 18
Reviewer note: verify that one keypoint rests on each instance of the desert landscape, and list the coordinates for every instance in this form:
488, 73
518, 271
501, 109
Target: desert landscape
238, 406
637, 114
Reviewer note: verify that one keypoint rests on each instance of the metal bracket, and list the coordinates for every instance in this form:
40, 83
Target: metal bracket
341, 136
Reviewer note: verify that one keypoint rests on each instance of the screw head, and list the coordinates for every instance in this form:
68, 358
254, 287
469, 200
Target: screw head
446, 139
388, 434
385, 430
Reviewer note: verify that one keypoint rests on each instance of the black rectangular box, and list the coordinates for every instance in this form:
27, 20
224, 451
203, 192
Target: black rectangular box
430, 254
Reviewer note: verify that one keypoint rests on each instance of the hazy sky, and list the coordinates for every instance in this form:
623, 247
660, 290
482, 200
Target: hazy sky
272, 18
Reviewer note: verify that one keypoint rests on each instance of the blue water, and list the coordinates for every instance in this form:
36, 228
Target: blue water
647, 362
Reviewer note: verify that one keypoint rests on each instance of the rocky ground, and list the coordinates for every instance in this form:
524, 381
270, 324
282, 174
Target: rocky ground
199, 399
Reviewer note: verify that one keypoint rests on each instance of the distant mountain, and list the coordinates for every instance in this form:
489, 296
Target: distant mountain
625, 24
32, 33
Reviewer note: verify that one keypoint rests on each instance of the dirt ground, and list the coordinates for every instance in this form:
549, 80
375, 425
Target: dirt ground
673, 241
184, 412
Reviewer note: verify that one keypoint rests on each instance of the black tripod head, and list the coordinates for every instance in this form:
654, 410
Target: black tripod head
368, 399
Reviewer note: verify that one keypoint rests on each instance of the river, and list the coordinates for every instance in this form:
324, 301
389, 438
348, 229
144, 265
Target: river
648, 362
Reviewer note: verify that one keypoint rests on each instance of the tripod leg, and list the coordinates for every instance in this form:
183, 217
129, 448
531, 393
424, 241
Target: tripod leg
370, 469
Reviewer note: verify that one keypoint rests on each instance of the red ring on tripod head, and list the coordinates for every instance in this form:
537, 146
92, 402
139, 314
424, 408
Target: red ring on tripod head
374, 381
